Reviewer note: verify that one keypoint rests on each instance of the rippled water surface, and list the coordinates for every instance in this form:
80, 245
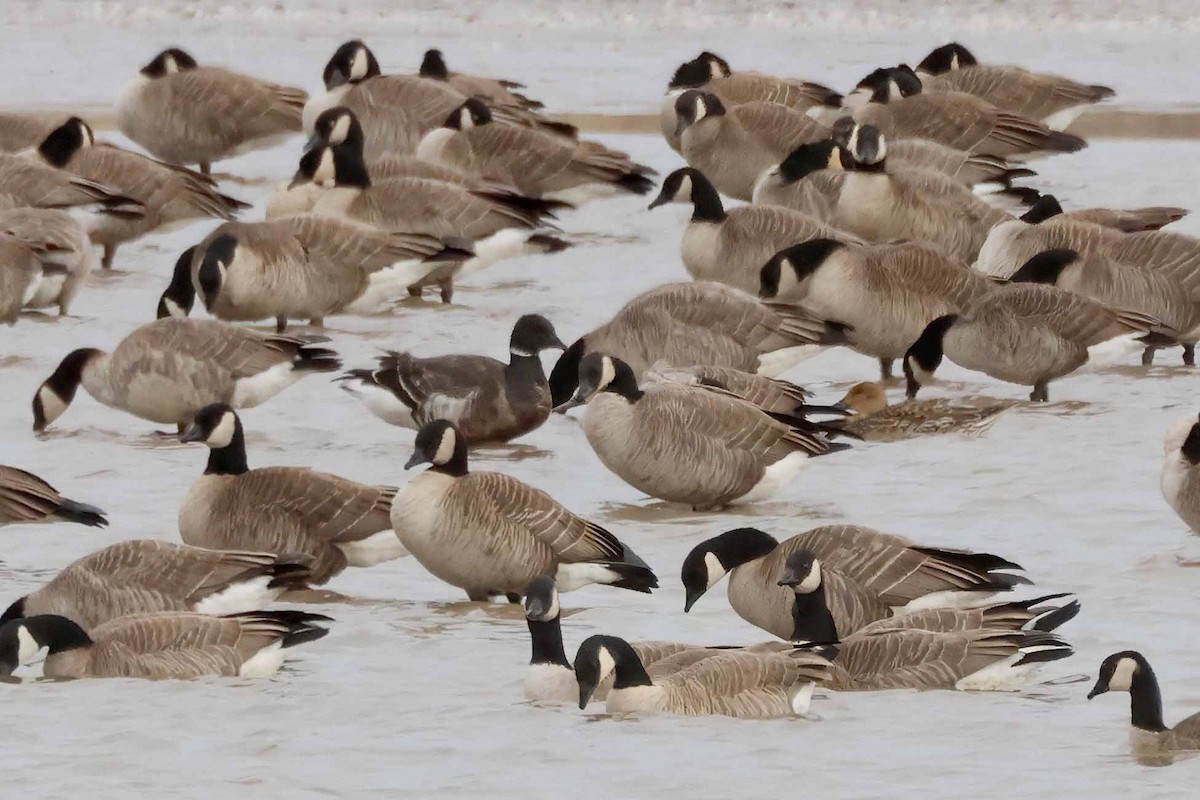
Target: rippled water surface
417, 690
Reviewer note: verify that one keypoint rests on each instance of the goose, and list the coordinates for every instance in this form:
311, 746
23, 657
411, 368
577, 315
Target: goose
1030, 334
536, 162
711, 73
174, 645
22, 131
1130, 220
981, 649
900, 109
689, 446
146, 576
491, 90
686, 324
886, 293
1151, 740
62, 246
22, 272
334, 522
1154, 293
749, 685
1181, 471
26, 182
487, 400
300, 267
880, 203
874, 420
808, 180
775, 396
734, 146
172, 195
495, 225
167, 370
26, 498
730, 247
185, 113
490, 534
1053, 99
870, 575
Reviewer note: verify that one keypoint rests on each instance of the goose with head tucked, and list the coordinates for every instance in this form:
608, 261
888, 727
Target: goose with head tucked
186, 113
487, 400
25, 498
169, 369
21, 131
1180, 480
773, 395
147, 576
868, 575
874, 420
490, 534
491, 90
29, 182
334, 522
687, 445
1152, 742
174, 645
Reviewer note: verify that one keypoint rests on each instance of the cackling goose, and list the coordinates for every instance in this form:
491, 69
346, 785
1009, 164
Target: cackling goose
1153, 743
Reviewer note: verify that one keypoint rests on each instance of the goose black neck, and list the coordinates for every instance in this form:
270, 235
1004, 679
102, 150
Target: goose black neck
524, 377
1145, 701
807, 159
858, 166
230, 459
706, 202
350, 167
630, 671
57, 634
812, 621
624, 383
564, 375
1191, 445
457, 465
547, 642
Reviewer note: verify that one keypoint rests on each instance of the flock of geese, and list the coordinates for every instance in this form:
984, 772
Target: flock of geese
884, 220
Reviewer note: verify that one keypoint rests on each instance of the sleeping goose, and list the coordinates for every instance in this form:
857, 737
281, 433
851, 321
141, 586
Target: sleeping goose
174, 645
25, 498
487, 400
775, 396
734, 146
537, 163
699, 323
808, 180
995, 648
886, 293
300, 267
184, 113
146, 576
167, 370
1152, 742
710, 73
742, 683
1181, 470
1030, 334
334, 522
28, 182
21, 131
490, 534
874, 420
491, 90
172, 195
1126, 220
687, 445
897, 106
731, 246
1053, 99
870, 575
61, 245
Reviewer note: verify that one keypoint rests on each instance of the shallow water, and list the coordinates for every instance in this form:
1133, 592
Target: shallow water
416, 689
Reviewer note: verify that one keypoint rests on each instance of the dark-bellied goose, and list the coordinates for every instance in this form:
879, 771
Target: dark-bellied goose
1180, 480
1153, 743
26, 498
874, 420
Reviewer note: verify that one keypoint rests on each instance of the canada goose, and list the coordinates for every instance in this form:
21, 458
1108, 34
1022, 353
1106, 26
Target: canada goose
171, 195
881, 203
734, 146
495, 224
333, 521
1150, 738
711, 73
750, 685
730, 247
876, 421
174, 645
22, 131
487, 400
776, 397
870, 574
299, 267
62, 246
1055, 100
886, 293
27, 182
185, 113
22, 271
537, 163
26, 498
900, 109
982, 649
1147, 291
492, 90
1181, 471
809, 180
1129, 220
685, 445
167, 370
685, 324
145, 576
1029, 334
490, 534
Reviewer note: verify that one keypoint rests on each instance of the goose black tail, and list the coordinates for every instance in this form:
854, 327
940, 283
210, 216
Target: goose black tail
82, 513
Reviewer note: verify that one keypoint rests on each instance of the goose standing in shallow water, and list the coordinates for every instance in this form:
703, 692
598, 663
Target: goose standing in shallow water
490, 534
1181, 470
876, 421
26, 498
1152, 741
688, 445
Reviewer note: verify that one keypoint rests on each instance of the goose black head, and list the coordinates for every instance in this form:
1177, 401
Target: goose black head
353, 62
709, 561
946, 58
693, 106
602, 373
791, 267
62, 143
168, 62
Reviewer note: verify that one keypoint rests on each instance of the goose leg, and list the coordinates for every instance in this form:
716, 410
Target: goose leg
477, 596
447, 288
205, 168
1041, 392
414, 291
885, 369
280, 324
110, 252
1189, 355
1148, 356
